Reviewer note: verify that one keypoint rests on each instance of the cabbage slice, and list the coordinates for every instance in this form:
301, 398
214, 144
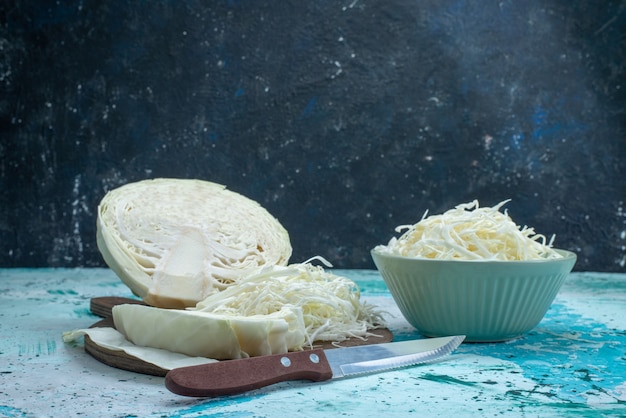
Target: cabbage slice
204, 334
174, 242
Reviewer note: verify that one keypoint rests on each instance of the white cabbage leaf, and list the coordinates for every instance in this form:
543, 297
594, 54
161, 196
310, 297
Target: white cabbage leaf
110, 338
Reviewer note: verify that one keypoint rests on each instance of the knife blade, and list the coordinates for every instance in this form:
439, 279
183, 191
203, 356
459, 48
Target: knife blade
231, 377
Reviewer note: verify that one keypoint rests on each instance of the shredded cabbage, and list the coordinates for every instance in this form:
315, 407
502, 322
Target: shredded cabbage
330, 304
470, 232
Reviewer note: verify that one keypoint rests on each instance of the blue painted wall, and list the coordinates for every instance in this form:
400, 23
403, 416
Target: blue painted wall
342, 118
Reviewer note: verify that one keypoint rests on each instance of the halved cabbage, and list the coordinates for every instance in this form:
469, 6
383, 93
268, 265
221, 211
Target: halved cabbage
174, 242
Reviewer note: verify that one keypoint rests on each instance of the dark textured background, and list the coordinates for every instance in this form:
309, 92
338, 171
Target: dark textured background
343, 118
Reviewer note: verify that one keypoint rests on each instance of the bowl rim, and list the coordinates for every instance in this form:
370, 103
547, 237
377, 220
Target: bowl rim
567, 256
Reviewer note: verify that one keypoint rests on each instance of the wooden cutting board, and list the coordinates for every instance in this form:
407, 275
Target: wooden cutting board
102, 307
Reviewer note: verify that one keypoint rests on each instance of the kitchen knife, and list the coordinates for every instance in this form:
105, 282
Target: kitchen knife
231, 377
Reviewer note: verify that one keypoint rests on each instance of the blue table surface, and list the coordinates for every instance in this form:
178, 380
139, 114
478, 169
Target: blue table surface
572, 364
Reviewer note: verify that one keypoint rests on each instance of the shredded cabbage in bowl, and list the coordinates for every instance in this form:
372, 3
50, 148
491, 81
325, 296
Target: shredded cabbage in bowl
470, 232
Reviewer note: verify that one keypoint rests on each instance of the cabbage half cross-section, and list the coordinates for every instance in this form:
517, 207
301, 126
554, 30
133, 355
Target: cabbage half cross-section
174, 242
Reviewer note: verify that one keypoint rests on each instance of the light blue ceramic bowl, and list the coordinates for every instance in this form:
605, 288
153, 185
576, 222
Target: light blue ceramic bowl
487, 301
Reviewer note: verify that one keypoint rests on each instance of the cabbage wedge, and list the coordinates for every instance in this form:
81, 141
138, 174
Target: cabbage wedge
174, 242
215, 336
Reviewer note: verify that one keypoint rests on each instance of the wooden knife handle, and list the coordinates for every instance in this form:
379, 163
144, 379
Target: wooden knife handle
231, 377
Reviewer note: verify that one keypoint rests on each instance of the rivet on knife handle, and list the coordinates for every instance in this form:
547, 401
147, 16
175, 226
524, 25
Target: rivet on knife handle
232, 377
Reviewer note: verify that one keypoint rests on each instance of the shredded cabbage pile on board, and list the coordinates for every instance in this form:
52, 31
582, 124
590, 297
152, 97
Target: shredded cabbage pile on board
330, 304
277, 309
470, 232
